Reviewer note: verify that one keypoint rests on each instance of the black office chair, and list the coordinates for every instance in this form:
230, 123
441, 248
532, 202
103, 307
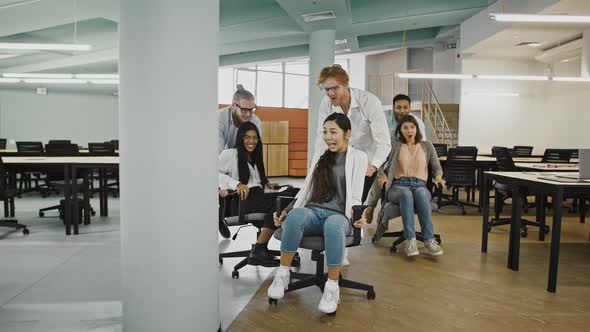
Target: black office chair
54, 179
231, 213
503, 192
59, 141
105, 149
390, 210
31, 149
575, 154
441, 149
522, 151
459, 173
7, 195
557, 156
2, 143
315, 243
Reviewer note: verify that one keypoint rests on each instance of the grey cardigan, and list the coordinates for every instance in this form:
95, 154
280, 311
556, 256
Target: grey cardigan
431, 156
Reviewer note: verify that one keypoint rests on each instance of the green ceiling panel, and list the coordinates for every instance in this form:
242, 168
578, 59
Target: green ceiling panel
234, 12
391, 38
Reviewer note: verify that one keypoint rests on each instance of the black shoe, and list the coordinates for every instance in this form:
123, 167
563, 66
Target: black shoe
224, 229
296, 262
261, 256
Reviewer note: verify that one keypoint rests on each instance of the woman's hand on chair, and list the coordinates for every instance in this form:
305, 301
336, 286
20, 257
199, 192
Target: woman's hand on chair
274, 186
440, 182
223, 193
243, 190
362, 221
368, 214
279, 219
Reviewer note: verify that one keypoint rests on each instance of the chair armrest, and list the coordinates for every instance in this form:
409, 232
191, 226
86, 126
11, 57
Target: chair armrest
282, 202
357, 213
437, 190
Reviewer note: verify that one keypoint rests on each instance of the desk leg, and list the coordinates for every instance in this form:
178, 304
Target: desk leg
485, 193
514, 244
482, 188
540, 202
74, 202
67, 201
87, 197
555, 238
582, 209
103, 192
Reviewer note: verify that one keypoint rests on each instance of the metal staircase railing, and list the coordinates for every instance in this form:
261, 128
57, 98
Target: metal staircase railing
433, 116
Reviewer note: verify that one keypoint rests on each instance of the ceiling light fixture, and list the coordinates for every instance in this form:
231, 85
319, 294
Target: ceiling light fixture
9, 80
104, 81
572, 79
36, 75
436, 76
98, 76
45, 47
54, 81
499, 17
14, 3
512, 77
493, 94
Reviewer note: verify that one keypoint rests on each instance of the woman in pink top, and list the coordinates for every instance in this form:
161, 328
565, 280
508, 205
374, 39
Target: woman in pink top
409, 161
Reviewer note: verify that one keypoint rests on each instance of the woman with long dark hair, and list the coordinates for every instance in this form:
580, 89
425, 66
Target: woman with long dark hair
324, 206
242, 169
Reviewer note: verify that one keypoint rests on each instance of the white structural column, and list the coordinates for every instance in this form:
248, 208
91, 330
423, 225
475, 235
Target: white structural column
168, 137
321, 54
586, 54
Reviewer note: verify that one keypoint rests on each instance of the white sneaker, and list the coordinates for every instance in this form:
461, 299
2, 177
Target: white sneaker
411, 248
330, 298
345, 261
279, 284
433, 248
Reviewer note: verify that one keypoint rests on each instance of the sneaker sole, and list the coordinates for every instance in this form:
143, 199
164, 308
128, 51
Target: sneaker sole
412, 254
435, 254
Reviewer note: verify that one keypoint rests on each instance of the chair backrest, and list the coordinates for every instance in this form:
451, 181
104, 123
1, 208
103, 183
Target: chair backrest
59, 141
441, 149
557, 156
115, 143
101, 149
575, 154
522, 151
3, 177
460, 166
504, 159
62, 150
2, 143
30, 148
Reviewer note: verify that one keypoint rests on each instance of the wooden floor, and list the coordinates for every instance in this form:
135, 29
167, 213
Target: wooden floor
463, 290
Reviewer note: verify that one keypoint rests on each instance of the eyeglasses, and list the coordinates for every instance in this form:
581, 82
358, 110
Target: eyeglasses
245, 110
332, 88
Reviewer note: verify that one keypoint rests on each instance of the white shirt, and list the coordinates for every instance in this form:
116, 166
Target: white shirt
229, 176
370, 132
227, 130
355, 170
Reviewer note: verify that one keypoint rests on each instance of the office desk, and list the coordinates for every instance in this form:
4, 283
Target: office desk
15, 153
520, 182
547, 167
70, 166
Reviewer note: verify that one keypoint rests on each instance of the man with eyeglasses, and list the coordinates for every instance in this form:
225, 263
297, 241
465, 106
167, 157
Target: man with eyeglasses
242, 110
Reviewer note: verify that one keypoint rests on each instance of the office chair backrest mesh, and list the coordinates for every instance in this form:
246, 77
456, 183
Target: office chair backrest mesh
2, 143
115, 143
59, 141
101, 149
557, 156
504, 159
30, 148
522, 151
460, 166
62, 150
575, 154
441, 149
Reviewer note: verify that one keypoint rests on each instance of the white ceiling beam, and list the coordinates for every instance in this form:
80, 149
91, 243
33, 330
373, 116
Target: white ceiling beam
106, 55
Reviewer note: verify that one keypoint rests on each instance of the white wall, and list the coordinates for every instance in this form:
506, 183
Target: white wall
356, 71
81, 118
445, 61
546, 114
380, 69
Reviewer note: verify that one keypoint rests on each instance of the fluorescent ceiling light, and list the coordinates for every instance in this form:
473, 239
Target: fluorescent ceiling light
340, 41
98, 76
54, 81
513, 77
435, 76
572, 79
104, 81
7, 55
37, 75
45, 47
539, 18
495, 94
13, 3
9, 80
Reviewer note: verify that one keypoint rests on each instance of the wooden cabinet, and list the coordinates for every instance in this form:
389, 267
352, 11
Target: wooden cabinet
275, 136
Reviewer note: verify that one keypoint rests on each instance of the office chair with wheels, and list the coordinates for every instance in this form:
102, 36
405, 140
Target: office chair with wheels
106, 149
522, 151
2, 143
7, 195
459, 173
315, 243
30, 149
390, 210
441, 149
557, 156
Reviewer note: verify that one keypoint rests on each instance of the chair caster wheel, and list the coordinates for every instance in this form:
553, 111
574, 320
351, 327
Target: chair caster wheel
41, 214
235, 274
524, 233
273, 301
393, 250
93, 213
546, 229
25, 231
371, 294
332, 314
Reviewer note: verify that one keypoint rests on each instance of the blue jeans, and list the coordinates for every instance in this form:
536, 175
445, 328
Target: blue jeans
410, 193
334, 226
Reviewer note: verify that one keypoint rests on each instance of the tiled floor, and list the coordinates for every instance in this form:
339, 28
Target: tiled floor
50, 282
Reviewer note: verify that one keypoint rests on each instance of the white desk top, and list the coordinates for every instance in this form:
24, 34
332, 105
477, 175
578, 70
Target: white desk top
534, 177
548, 166
60, 160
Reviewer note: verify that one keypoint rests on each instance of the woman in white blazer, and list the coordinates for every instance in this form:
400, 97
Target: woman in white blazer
242, 169
324, 206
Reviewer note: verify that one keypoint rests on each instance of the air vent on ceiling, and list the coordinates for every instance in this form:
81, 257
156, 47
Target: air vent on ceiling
318, 16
